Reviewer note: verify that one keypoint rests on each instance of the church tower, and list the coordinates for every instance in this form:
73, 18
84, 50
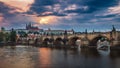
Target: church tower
28, 26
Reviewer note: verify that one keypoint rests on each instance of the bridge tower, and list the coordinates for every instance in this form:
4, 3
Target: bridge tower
114, 36
86, 33
113, 33
65, 34
85, 40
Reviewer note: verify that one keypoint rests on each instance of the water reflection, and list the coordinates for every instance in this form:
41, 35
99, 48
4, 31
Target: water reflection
15, 57
44, 57
33, 57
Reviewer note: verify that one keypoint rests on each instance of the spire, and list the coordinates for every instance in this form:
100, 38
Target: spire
113, 28
65, 33
49, 29
73, 31
93, 30
26, 26
30, 24
86, 31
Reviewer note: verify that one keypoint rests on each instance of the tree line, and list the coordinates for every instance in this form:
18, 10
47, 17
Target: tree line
7, 36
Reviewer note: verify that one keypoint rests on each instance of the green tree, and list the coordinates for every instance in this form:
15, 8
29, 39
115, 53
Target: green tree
2, 29
1, 36
13, 36
22, 34
7, 37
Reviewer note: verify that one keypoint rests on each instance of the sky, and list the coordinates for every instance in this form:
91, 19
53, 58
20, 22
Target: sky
79, 15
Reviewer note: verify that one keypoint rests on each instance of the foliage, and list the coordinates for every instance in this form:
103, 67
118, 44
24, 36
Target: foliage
13, 36
1, 36
4, 37
7, 37
22, 34
2, 29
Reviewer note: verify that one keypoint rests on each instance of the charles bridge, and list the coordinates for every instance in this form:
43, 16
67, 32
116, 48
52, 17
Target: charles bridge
86, 38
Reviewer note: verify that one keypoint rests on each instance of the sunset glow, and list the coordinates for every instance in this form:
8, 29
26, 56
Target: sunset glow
47, 20
20, 5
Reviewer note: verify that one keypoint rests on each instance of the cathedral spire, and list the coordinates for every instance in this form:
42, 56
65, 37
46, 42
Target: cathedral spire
113, 28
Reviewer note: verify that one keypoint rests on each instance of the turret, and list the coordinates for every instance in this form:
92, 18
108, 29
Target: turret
113, 33
113, 28
93, 30
86, 33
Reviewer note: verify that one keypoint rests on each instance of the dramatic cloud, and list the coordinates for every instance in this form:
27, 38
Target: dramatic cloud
1, 18
19, 5
114, 10
61, 14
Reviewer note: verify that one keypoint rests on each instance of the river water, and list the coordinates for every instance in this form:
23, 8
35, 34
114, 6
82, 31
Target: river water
34, 57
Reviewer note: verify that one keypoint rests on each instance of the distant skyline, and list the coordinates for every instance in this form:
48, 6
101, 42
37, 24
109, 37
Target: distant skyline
61, 14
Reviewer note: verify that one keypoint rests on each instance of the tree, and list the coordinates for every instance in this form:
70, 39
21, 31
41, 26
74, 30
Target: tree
7, 37
2, 29
22, 34
1, 36
4, 36
13, 36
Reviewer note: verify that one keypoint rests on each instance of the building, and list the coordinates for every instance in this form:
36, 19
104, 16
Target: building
31, 32
69, 32
58, 32
31, 27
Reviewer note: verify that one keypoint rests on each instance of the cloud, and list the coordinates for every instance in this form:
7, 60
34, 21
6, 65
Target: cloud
59, 13
76, 9
11, 12
1, 18
62, 8
3, 22
72, 7
114, 10
18, 5
4, 9
48, 20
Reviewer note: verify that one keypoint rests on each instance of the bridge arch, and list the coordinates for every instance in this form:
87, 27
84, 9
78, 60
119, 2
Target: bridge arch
45, 41
94, 41
51, 40
58, 41
72, 40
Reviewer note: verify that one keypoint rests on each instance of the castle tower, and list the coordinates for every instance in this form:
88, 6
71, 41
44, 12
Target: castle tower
113, 33
28, 26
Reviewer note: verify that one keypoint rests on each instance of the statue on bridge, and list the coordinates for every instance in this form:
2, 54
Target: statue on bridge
78, 43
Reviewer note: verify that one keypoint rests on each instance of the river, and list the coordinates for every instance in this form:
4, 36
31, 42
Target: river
35, 57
